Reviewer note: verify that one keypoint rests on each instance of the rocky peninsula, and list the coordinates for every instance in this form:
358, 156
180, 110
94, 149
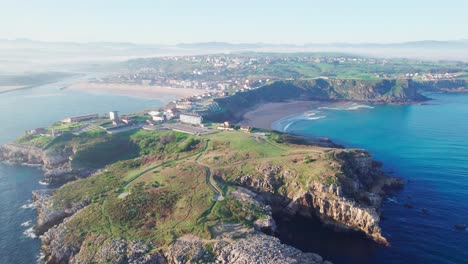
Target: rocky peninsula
163, 196
159, 207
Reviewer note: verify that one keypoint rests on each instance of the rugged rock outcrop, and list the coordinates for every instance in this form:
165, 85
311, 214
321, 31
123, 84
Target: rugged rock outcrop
253, 247
57, 167
188, 249
16, 153
47, 216
265, 224
350, 203
118, 251
260, 248
95, 248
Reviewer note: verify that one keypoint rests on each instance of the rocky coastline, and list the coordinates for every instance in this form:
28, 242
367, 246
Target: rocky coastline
57, 167
352, 204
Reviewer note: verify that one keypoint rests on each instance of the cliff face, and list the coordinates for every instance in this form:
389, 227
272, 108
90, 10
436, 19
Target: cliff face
47, 216
385, 91
16, 153
57, 167
442, 85
352, 202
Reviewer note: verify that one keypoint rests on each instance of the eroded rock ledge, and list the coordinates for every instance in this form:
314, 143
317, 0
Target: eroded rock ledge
57, 167
47, 215
351, 203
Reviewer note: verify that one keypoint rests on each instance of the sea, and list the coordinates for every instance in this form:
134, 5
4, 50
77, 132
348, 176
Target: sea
32, 108
427, 146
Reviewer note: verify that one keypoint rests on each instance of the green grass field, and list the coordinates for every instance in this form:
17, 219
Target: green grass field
164, 191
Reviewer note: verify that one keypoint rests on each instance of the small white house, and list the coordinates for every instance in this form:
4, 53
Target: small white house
114, 115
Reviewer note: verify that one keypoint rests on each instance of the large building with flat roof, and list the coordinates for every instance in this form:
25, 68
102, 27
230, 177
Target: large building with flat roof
75, 119
190, 118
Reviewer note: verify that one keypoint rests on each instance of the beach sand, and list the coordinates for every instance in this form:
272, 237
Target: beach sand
146, 91
265, 114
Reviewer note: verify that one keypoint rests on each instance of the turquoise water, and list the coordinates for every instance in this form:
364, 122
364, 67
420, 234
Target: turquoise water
425, 144
27, 109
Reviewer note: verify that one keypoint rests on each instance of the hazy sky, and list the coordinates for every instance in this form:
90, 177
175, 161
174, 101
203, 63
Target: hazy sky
272, 21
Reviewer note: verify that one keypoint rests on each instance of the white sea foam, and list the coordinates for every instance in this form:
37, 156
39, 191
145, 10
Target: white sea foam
27, 223
40, 257
27, 206
356, 107
43, 183
331, 108
316, 117
288, 125
30, 233
346, 107
311, 113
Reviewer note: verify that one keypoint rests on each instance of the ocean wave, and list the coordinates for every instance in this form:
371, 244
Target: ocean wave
43, 182
31, 165
353, 106
27, 206
30, 233
311, 113
40, 257
288, 125
27, 223
316, 117
356, 107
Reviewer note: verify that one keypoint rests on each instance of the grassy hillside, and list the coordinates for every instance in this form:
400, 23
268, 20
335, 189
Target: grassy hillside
167, 191
373, 91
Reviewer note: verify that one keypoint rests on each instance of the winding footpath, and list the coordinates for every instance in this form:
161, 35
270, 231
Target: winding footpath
209, 176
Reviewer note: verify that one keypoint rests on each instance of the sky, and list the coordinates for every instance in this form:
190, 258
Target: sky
236, 21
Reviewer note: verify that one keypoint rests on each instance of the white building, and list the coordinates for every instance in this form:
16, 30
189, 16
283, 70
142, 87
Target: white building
191, 119
184, 105
114, 115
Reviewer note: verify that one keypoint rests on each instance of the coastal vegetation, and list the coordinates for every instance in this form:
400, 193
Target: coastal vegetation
159, 186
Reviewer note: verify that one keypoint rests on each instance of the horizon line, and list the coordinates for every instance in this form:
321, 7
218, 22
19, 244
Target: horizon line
236, 43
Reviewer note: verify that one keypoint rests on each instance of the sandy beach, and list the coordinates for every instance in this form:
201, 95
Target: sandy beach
265, 114
147, 91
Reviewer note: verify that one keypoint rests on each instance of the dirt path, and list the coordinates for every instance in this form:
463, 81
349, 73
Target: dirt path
209, 177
